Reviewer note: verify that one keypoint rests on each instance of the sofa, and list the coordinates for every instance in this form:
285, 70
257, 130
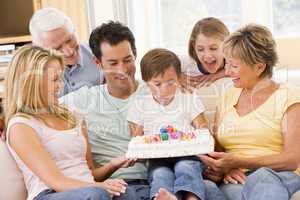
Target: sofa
11, 181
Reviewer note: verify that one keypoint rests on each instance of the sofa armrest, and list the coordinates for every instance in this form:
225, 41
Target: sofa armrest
296, 196
11, 181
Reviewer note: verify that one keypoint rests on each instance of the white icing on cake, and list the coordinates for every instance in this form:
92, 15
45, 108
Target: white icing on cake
201, 143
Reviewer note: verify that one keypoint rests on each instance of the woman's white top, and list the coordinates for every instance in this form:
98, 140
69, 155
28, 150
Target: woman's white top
189, 66
67, 148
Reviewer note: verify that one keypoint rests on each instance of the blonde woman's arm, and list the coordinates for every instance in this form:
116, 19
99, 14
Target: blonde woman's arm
25, 142
104, 172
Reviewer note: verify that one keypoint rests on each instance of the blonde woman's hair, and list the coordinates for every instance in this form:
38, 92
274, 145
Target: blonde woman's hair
253, 44
24, 85
209, 27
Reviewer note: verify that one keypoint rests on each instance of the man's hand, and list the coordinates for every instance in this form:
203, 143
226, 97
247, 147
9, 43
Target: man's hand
122, 162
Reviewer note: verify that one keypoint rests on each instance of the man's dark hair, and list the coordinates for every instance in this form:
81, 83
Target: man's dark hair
113, 33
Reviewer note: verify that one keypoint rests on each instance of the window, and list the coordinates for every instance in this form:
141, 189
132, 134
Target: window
177, 20
168, 23
286, 17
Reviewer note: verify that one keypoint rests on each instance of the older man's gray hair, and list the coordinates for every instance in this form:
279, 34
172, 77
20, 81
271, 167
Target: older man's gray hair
48, 19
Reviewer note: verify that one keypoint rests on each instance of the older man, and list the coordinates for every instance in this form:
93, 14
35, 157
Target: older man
51, 28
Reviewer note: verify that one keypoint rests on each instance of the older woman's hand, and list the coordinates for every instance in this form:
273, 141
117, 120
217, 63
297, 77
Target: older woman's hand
235, 176
213, 175
219, 161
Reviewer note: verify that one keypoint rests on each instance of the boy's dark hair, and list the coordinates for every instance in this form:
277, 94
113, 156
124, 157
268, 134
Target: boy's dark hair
112, 33
157, 61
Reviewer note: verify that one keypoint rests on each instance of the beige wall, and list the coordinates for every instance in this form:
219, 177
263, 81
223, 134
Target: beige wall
289, 52
76, 10
103, 11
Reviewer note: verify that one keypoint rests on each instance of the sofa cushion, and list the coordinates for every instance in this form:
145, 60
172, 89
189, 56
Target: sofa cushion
210, 96
11, 184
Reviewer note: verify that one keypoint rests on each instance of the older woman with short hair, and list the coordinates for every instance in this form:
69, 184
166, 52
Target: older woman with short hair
257, 122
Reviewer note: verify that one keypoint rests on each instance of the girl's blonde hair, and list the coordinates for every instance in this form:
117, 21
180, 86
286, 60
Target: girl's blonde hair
24, 85
209, 27
253, 44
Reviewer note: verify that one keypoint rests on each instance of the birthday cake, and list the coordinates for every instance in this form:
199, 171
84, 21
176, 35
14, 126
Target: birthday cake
171, 143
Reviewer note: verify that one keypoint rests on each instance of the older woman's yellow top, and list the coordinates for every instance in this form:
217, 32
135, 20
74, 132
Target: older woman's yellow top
259, 132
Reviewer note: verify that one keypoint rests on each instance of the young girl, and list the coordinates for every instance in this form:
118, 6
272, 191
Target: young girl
48, 142
168, 106
205, 62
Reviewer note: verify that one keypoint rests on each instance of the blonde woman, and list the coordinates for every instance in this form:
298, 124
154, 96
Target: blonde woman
48, 142
205, 63
258, 122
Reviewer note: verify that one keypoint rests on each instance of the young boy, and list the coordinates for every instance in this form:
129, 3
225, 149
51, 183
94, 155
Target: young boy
167, 105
